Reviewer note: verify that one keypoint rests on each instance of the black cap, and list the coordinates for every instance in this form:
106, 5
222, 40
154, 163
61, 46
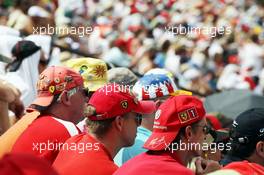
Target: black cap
248, 126
21, 50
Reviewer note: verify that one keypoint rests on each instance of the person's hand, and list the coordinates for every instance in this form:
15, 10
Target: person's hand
8, 92
17, 107
206, 166
11, 95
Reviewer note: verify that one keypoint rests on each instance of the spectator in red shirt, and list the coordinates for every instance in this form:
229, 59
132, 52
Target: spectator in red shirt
24, 164
240, 168
179, 123
61, 99
112, 125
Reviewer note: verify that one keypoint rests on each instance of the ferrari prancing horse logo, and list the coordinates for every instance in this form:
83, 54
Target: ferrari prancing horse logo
124, 104
187, 115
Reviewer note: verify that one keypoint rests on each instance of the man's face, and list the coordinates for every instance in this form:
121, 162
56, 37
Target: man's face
129, 131
78, 101
199, 136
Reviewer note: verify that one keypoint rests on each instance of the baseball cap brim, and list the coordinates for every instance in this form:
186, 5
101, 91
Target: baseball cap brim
160, 140
145, 107
43, 101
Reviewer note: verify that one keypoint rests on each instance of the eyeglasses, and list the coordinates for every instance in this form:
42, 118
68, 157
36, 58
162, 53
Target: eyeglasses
138, 119
84, 90
206, 128
71, 92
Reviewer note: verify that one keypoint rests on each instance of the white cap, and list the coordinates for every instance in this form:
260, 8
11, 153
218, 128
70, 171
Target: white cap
38, 12
198, 59
191, 74
159, 71
43, 41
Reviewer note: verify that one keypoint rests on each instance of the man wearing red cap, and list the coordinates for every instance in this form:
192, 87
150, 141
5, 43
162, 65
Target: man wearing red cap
155, 87
60, 101
179, 123
112, 125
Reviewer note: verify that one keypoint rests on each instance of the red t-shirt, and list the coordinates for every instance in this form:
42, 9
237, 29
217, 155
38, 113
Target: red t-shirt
25, 164
85, 155
149, 164
44, 137
246, 168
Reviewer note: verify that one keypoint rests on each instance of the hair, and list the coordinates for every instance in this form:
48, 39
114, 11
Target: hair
181, 133
99, 127
241, 150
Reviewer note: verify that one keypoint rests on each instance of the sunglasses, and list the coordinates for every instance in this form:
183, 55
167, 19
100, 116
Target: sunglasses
138, 119
71, 92
206, 128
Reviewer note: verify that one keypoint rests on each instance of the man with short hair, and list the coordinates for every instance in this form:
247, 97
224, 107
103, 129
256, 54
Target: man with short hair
153, 87
112, 125
60, 101
246, 155
247, 137
179, 122
94, 73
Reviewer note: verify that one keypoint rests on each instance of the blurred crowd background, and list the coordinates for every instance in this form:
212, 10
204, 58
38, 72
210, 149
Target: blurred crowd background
132, 33
139, 35
136, 43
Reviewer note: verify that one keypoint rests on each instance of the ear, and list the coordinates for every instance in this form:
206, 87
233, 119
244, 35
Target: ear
119, 123
188, 133
260, 149
64, 99
158, 103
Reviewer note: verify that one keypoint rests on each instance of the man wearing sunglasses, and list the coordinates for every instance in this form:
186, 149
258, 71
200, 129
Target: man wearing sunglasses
179, 121
60, 102
153, 87
115, 116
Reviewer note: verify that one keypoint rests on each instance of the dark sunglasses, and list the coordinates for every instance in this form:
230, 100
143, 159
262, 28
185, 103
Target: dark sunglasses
206, 128
138, 119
